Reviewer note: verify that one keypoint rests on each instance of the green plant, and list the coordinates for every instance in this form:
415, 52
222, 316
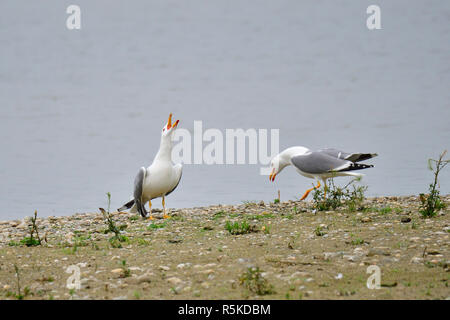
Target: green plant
219, 214
19, 294
115, 240
126, 271
319, 231
14, 243
255, 282
238, 228
357, 241
266, 229
332, 196
432, 203
31, 240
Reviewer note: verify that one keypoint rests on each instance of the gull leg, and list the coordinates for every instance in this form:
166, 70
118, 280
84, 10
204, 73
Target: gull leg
150, 210
309, 190
165, 216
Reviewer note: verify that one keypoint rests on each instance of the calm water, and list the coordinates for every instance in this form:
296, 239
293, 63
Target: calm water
81, 111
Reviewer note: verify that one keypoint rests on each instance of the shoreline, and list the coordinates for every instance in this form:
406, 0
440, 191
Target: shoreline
301, 252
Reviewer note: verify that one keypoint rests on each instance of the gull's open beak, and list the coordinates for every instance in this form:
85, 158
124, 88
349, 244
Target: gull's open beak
272, 175
169, 122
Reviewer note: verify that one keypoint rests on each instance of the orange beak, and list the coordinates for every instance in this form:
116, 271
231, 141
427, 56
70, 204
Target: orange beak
272, 175
169, 122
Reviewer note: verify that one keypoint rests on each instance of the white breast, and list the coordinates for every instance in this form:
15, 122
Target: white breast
159, 180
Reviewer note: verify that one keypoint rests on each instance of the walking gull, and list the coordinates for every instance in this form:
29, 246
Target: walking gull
320, 165
158, 180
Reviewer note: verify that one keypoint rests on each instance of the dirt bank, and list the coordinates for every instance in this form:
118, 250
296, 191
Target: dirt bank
301, 254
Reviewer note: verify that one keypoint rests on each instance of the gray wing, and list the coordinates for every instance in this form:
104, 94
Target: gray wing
138, 189
139, 183
353, 157
335, 153
319, 162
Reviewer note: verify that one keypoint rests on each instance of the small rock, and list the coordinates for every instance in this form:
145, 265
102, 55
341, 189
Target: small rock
417, 260
405, 219
174, 281
118, 270
378, 252
339, 276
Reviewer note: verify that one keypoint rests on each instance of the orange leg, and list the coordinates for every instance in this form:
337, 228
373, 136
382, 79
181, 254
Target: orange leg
309, 190
150, 211
165, 216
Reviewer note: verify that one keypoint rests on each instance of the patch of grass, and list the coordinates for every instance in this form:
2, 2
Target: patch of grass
126, 271
357, 241
141, 242
339, 196
234, 215
134, 218
432, 203
320, 231
81, 240
237, 228
219, 214
266, 229
156, 226
248, 203
276, 201
385, 210
253, 281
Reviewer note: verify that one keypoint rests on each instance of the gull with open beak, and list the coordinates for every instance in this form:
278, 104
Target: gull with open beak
320, 165
159, 179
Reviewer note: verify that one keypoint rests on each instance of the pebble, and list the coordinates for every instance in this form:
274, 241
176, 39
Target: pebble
417, 260
174, 281
118, 270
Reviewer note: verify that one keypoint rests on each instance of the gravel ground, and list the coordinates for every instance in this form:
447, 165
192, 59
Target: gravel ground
301, 253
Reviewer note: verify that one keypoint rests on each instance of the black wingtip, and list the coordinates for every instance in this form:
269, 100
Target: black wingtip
141, 209
358, 166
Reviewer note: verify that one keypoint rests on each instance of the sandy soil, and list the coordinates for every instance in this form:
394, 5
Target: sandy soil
301, 254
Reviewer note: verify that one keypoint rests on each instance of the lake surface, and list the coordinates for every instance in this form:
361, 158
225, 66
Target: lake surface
82, 110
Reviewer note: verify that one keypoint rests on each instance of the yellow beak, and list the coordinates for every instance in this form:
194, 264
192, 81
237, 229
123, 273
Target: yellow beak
272, 175
169, 122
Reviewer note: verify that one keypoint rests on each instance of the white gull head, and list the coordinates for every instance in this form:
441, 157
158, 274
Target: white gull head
283, 159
